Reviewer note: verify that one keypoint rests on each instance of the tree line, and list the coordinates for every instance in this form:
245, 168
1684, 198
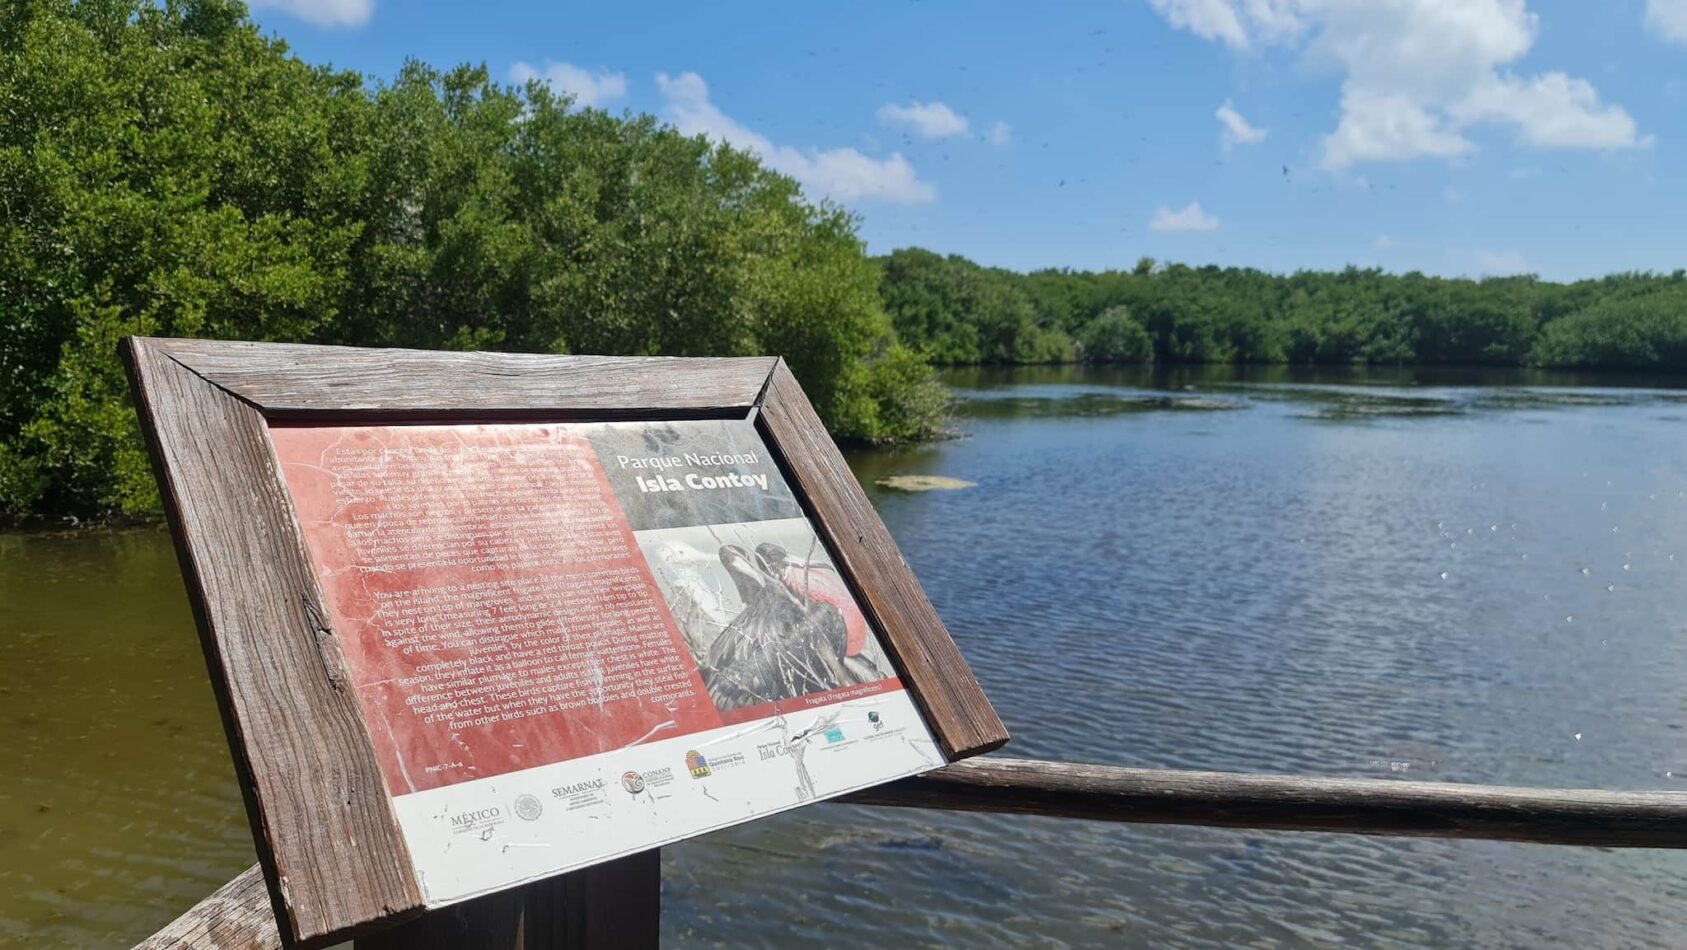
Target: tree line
953, 311
166, 169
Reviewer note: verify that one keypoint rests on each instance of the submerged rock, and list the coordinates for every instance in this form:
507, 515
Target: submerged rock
923, 483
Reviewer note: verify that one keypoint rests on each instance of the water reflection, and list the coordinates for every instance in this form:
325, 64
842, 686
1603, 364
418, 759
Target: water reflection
1032, 404
1331, 395
118, 808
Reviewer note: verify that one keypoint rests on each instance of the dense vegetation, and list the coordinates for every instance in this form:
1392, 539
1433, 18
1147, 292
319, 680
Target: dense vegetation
165, 169
951, 310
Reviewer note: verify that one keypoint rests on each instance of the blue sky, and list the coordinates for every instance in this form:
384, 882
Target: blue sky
1448, 136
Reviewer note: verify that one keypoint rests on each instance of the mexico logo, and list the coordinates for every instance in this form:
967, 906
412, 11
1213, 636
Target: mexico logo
528, 808
482, 818
698, 765
632, 782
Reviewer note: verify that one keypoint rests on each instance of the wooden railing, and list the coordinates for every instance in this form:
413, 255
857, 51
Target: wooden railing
617, 905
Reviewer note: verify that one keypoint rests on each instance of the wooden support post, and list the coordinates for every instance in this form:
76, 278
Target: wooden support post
614, 906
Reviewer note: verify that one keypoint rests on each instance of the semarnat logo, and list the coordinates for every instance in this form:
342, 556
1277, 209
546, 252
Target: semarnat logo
578, 788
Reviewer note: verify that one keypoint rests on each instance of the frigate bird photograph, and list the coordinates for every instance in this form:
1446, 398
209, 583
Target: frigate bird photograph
764, 611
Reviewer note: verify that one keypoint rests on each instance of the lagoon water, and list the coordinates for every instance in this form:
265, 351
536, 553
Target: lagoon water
1458, 577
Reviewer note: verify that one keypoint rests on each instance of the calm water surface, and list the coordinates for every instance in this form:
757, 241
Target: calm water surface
1468, 578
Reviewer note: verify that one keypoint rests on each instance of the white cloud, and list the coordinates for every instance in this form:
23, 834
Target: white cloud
1189, 218
1417, 75
1668, 19
1208, 19
841, 173
929, 120
1001, 134
1551, 111
322, 12
1236, 130
1383, 128
1501, 263
587, 88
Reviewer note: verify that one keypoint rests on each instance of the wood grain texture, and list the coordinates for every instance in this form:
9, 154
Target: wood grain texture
237, 916
936, 674
1296, 803
324, 827
292, 380
613, 906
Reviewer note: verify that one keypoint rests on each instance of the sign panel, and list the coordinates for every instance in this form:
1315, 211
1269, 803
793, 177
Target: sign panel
576, 641
454, 657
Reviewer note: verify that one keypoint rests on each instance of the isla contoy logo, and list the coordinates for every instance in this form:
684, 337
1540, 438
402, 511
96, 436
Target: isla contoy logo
632, 782
698, 765
528, 808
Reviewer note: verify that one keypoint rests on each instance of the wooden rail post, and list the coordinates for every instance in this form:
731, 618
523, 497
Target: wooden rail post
616, 905
613, 906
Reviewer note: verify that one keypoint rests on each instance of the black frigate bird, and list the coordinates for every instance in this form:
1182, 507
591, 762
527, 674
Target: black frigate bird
778, 646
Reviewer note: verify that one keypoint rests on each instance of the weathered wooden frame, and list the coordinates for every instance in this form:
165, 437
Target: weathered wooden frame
327, 838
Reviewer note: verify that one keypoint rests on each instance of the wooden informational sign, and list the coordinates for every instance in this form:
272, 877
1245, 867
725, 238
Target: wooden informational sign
479, 619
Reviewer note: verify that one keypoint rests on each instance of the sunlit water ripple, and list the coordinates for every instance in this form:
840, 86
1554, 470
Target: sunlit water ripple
1454, 582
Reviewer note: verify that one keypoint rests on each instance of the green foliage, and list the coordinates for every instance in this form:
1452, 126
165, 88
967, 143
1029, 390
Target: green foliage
165, 169
1213, 314
1114, 337
907, 404
1635, 332
950, 310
